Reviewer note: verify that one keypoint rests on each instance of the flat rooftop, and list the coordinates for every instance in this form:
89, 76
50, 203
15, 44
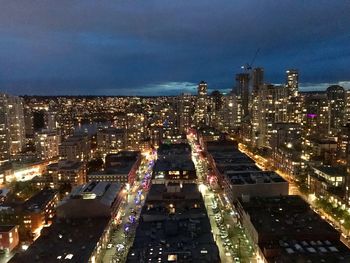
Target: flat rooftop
331, 170
253, 177
174, 165
231, 156
311, 251
173, 191
40, 200
174, 149
239, 167
6, 228
287, 218
106, 192
222, 146
175, 226
73, 238
120, 168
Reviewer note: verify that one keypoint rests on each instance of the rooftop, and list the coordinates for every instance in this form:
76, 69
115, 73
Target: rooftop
40, 200
6, 228
104, 191
311, 251
287, 218
174, 149
69, 241
175, 226
167, 165
223, 145
253, 177
331, 170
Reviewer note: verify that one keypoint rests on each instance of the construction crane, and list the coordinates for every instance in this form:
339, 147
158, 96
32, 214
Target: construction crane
248, 66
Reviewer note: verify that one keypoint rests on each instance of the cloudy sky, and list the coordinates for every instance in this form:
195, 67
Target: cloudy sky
165, 47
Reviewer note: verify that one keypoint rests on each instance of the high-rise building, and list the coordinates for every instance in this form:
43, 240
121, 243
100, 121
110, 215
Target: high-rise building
337, 100
202, 104
28, 122
185, 111
228, 113
12, 128
315, 121
4, 137
293, 82
50, 120
16, 124
257, 78
75, 148
111, 140
242, 91
46, 143
347, 107
265, 103
135, 129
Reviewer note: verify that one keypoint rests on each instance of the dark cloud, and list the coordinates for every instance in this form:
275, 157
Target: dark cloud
115, 47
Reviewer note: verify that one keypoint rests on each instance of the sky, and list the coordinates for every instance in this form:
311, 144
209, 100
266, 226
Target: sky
138, 47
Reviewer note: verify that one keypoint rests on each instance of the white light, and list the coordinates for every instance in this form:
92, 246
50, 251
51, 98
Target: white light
25, 247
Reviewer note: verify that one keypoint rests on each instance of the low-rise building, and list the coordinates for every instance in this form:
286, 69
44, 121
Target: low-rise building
94, 199
39, 210
175, 170
74, 240
174, 227
174, 164
67, 172
32, 215
254, 183
286, 229
9, 237
327, 180
120, 167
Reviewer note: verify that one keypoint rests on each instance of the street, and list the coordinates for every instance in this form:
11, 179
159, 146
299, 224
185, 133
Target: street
123, 235
230, 237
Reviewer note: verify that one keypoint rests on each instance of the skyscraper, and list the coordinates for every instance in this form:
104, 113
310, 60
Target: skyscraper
4, 138
201, 106
12, 128
336, 100
242, 91
185, 111
292, 82
257, 78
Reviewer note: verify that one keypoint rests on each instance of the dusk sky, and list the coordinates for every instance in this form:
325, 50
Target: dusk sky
167, 47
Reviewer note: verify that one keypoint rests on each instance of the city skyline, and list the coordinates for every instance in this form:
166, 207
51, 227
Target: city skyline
172, 131
133, 48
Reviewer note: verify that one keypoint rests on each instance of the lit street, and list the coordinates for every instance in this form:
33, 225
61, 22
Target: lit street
228, 233
123, 234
